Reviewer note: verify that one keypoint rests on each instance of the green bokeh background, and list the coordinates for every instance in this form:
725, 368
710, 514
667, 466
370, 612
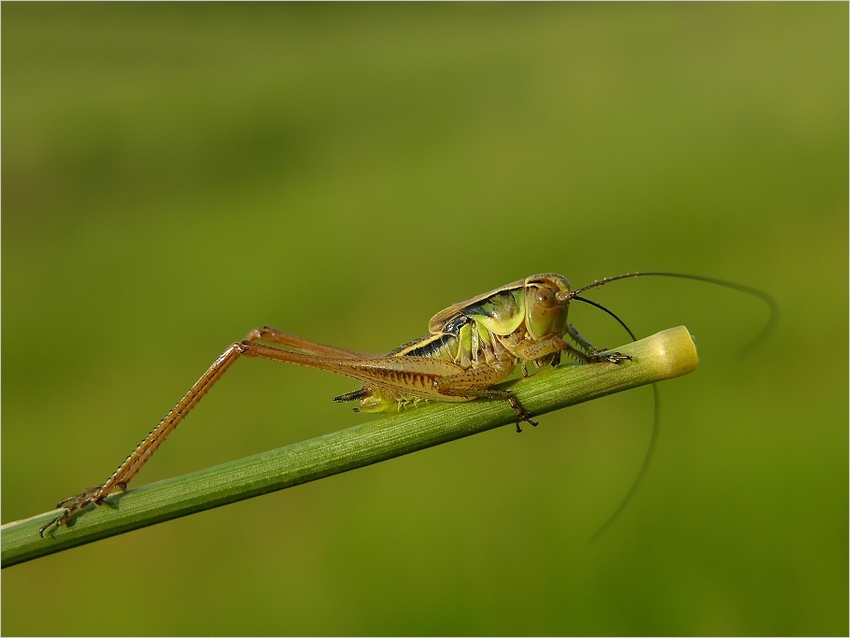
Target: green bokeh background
175, 175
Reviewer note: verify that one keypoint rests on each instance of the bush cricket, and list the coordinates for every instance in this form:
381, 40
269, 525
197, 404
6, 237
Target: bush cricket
470, 347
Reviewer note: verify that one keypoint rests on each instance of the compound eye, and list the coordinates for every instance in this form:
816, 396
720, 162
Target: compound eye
545, 297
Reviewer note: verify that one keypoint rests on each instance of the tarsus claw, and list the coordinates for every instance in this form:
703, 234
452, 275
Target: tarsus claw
74, 504
525, 416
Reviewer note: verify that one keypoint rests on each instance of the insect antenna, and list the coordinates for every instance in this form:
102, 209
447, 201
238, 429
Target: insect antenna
605, 310
753, 344
656, 425
653, 439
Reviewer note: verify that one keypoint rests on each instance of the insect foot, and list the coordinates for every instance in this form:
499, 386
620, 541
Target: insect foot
521, 412
58, 521
610, 357
525, 416
72, 505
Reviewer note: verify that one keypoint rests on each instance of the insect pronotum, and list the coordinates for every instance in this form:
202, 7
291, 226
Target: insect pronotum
470, 347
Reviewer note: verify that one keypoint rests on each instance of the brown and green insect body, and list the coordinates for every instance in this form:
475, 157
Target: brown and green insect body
470, 347
482, 340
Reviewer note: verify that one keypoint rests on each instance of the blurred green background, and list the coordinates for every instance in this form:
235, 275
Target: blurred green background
175, 175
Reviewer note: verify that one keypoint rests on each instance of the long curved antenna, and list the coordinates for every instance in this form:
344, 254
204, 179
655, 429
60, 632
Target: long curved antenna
753, 344
653, 439
604, 309
647, 459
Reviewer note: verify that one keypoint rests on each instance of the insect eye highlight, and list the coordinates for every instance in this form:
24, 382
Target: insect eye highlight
545, 297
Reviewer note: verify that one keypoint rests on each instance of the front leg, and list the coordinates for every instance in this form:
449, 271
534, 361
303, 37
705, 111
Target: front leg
532, 350
593, 353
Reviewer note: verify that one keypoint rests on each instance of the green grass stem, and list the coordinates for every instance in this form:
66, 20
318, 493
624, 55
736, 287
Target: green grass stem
664, 355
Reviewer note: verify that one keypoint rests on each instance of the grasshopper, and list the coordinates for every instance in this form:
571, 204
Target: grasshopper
470, 347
